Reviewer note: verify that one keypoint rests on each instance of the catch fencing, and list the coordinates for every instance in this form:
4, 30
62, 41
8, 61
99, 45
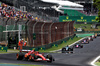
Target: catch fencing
47, 32
34, 32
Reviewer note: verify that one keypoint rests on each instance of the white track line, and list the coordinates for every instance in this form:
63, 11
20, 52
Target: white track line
92, 63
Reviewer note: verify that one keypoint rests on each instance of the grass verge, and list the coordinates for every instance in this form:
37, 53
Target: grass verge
10, 51
8, 64
61, 45
97, 63
88, 27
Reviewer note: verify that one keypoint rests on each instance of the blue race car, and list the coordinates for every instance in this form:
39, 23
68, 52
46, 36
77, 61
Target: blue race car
67, 49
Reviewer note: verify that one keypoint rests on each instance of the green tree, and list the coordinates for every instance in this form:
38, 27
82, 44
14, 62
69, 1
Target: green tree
97, 4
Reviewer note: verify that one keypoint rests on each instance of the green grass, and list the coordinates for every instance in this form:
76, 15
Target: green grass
97, 63
87, 25
61, 45
10, 64
10, 51
79, 25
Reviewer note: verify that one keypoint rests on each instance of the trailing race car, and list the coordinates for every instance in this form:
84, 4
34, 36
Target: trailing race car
34, 56
93, 36
98, 34
78, 46
67, 49
90, 38
85, 41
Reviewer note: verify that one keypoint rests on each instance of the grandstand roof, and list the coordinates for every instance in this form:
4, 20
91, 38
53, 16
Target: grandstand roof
63, 2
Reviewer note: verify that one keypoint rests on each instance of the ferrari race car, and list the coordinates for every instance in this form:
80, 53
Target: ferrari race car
78, 46
34, 56
85, 41
67, 49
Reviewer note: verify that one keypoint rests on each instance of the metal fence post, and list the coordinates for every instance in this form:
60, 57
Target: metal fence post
42, 34
34, 31
50, 31
26, 29
68, 29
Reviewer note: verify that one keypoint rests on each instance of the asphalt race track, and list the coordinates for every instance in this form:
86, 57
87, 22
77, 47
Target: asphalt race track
80, 57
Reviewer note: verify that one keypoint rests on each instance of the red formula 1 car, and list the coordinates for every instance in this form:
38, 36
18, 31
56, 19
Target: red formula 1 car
34, 56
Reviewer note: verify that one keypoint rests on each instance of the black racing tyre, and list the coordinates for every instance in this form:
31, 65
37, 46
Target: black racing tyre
71, 49
71, 52
19, 56
50, 58
63, 50
82, 46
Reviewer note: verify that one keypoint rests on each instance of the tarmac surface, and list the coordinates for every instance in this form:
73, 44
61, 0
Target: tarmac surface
81, 56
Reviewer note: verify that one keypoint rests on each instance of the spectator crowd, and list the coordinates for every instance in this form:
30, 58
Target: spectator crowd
9, 11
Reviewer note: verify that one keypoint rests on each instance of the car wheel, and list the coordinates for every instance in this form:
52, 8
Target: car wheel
19, 56
71, 49
50, 58
71, 52
63, 50
82, 46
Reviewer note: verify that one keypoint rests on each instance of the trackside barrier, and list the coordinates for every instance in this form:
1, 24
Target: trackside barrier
41, 48
54, 45
36, 49
44, 47
3, 49
88, 32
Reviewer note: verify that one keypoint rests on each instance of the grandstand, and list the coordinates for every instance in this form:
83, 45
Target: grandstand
47, 11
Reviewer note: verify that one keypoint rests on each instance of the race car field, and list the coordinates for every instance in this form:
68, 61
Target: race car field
81, 57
